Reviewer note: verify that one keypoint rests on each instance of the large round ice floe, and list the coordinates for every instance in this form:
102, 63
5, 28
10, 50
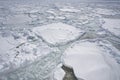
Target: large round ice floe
92, 60
57, 33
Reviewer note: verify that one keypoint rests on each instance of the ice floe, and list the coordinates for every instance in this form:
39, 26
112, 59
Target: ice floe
91, 61
57, 33
17, 19
112, 25
69, 10
104, 11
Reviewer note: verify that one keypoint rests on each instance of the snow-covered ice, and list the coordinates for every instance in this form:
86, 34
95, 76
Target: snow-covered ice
112, 25
58, 33
104, 11
36, 39
69, 10
26, 54
17, 19
4, 42
20, 53
91, 61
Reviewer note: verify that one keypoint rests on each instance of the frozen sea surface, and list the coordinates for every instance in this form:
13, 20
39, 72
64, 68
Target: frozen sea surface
37, 38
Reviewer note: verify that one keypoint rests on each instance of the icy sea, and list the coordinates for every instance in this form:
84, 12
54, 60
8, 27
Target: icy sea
38, 37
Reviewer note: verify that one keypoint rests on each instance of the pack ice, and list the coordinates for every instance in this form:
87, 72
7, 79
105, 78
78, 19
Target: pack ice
24, 59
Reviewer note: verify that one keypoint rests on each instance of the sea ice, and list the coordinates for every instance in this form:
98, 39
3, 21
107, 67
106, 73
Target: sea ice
91, 61
24, 56
105, 11
57, 33
112, 25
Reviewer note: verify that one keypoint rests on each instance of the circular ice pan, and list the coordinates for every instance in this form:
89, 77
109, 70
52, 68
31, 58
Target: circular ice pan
58, 33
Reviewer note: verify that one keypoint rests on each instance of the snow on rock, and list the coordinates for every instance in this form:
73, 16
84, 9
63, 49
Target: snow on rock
57, 33
91, 61
112, 25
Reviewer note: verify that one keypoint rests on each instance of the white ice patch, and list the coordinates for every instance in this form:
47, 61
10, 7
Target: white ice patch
7, 43
17, 19
105, 11
112, 25
91, 62
69, 9
58, 33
